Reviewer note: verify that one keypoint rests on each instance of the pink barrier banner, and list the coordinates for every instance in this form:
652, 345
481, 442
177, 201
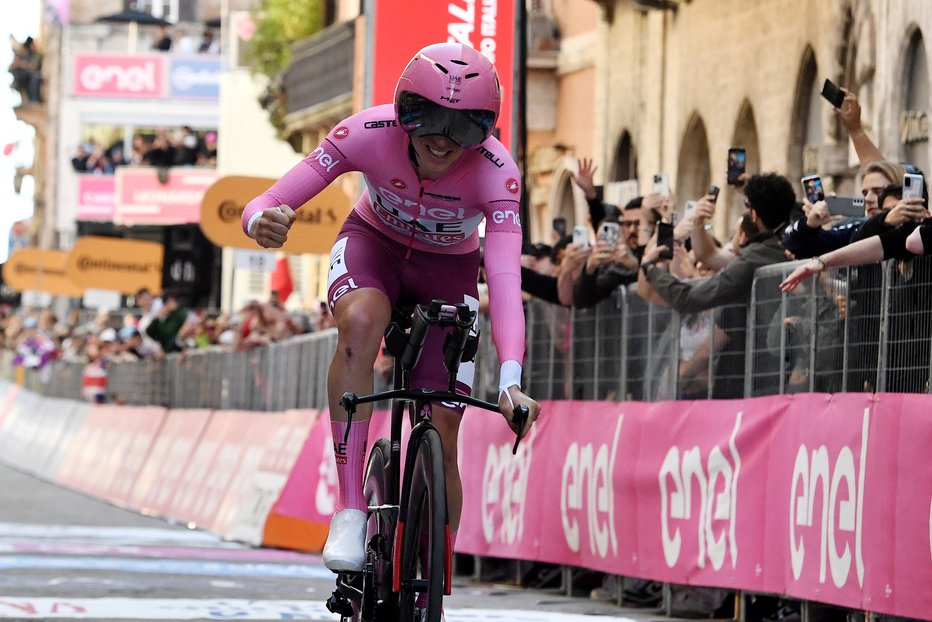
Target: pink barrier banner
143, 199
245, 507
167, 462
210, 469
311, 491
822, 497
140, 427
96, 197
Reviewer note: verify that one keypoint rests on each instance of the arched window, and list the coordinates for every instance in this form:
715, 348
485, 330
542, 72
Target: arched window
693, 173
566, 204
625, 162
914, 119
746, 137
806, 131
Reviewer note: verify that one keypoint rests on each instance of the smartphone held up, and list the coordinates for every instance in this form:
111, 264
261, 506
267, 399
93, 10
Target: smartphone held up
737, 164
834, 95
812, 186
581, 236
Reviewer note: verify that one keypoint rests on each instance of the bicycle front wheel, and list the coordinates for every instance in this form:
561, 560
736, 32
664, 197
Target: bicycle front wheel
423, 525
378, 601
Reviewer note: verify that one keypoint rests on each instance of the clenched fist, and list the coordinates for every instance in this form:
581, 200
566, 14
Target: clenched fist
271, 229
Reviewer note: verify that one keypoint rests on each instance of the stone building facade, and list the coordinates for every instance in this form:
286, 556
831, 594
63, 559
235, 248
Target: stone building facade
676, 83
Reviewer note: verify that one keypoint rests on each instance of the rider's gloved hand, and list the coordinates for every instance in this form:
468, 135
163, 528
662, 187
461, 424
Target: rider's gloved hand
271, 228
508, 400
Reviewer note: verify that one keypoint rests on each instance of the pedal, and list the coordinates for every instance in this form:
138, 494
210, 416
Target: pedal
340, 605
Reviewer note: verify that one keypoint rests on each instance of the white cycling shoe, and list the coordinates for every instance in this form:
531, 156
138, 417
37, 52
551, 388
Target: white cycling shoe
345, 550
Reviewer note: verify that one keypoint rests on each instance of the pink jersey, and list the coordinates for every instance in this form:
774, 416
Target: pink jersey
437, 215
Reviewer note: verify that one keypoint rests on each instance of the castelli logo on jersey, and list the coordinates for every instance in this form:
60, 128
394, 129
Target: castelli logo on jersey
341, 132
512, 185
399, 184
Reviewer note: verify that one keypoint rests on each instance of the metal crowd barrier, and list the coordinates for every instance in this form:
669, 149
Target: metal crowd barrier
866, 328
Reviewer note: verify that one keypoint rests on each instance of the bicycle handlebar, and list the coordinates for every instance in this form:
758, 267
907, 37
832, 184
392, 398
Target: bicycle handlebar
350, 401
521, 413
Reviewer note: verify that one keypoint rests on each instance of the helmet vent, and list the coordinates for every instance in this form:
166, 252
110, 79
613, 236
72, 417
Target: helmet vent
441, 67
459, 62
471, 75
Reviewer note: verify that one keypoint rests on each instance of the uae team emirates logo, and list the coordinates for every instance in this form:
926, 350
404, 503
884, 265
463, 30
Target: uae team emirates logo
511, 185
341, 132
399, 184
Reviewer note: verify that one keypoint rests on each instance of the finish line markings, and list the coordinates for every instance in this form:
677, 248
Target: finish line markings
225, 609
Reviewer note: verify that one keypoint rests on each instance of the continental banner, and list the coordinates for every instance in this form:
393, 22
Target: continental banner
314, 231
116, 264
40, 270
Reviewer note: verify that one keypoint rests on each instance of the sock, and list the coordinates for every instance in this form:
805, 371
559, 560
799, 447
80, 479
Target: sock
351, 462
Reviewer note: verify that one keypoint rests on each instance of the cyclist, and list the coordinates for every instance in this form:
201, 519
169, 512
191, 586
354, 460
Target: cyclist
432, 171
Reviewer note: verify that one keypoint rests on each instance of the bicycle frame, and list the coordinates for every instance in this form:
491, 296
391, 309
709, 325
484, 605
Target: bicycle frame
406, 347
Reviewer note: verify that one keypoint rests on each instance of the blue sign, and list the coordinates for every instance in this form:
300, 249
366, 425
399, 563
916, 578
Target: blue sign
194, 78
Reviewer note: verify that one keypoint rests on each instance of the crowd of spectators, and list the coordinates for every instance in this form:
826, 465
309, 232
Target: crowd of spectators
164, 148
148, 330
181, 43
709, 281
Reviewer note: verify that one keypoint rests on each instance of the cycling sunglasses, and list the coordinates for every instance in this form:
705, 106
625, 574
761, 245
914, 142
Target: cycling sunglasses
419, 116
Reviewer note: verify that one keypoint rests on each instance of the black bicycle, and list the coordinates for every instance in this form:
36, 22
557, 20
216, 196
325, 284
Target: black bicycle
408, 550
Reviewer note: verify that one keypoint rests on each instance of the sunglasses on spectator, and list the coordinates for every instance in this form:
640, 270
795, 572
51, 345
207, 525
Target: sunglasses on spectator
630, 223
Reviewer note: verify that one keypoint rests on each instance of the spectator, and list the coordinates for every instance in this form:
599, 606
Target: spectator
608, 265
208, 150
182, 43
150, 306
162, 153
208, 45
162, 41
167, 323
769, 199
26, 70
187, 148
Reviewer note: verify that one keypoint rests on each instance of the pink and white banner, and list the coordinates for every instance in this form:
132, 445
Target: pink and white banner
96, 197
119, 75
143, 199
816, 496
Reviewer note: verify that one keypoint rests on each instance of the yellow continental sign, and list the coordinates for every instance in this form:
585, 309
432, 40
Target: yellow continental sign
116, 264
40, 270
319, 220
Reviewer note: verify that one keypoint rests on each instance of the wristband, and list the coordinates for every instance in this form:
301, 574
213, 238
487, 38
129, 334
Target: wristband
251, 222
821, 261
647, 265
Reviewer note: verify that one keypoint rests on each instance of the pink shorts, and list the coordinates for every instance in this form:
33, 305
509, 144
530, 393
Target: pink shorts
364, 257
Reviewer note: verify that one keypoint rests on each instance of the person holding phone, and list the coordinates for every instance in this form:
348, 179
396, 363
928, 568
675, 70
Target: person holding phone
849, 113
769, 199
611, 262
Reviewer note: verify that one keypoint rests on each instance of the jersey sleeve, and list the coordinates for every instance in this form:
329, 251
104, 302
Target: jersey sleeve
316, 171
502, 255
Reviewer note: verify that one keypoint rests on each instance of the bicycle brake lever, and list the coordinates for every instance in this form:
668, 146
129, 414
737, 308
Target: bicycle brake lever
521, 414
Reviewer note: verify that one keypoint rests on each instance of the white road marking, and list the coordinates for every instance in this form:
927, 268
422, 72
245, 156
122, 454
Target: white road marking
113, 535
164, 566
225, 609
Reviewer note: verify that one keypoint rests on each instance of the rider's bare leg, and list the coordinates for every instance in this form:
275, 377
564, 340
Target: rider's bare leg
361, 317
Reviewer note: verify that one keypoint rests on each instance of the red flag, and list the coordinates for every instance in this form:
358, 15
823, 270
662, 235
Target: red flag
281, 279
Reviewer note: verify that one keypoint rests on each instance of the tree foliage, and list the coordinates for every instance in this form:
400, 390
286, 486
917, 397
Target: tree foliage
279, 24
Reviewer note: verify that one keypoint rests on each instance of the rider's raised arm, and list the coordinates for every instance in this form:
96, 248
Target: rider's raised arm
503, 273
337, 154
